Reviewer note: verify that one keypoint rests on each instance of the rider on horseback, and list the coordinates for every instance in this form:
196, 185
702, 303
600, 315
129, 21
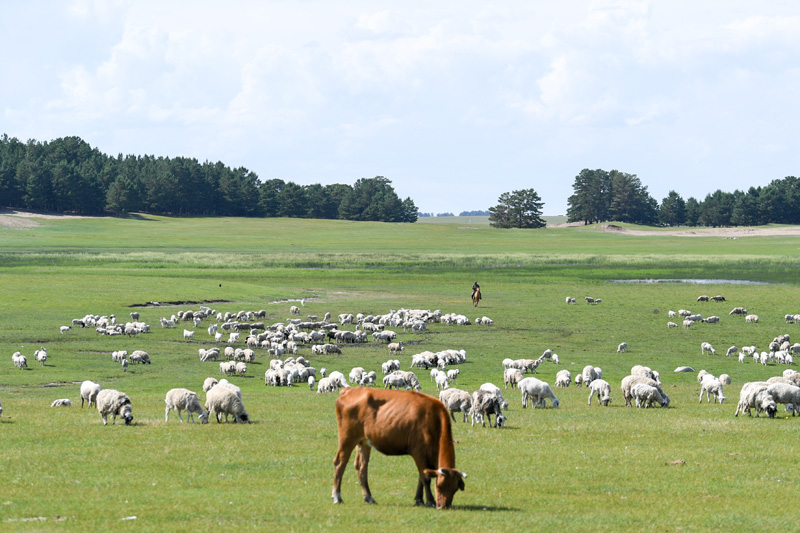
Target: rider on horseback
476, 288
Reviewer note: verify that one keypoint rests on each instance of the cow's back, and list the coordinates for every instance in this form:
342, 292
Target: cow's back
393, 422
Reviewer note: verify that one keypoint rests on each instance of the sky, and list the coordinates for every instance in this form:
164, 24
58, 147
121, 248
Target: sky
456, 102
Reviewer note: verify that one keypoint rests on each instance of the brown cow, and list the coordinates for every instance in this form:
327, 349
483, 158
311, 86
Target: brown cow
397, 422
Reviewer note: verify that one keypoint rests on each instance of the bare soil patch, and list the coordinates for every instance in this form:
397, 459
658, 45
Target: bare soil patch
15, 219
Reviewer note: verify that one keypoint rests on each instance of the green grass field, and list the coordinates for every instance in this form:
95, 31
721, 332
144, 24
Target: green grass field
692, 466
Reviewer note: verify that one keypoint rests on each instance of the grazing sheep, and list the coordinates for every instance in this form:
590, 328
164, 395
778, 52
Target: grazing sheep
494, 389
442, 382
294, 310
629, 382
645, 395
684, 369
241, 368
602, 389
623, 347
113, 402
738, 311
538, 391
209, 383
140, 356
185, 400
512, 376
751, 319
311, 380
89, 392
706, 347
563, 378
754, 394
64, 329
484, 405
368, 379
221, 400
589, 374
702, 298
456, 401
452, 375
731, 351
687, 324
711, 385
787, 394
63, 402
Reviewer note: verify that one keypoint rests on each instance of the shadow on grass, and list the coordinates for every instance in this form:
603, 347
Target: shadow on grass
485, 508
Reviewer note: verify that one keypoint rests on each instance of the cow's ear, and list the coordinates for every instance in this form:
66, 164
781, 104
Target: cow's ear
430, 473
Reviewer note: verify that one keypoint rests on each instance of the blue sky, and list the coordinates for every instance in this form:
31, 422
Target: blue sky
455, 102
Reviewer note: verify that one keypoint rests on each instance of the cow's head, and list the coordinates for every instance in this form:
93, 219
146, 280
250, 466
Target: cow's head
448, 482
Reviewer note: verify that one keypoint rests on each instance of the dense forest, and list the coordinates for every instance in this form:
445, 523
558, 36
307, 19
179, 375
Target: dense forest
67, 175
601, 196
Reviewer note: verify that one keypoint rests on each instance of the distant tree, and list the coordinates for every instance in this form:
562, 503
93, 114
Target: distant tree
517, 209
692, 212
445, 215
716, 209
673, 210
477, 213
374, 199
591, 198
745, 208
629, 200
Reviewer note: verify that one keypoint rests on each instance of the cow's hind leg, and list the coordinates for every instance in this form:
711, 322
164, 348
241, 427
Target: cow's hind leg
362, 465
339, 464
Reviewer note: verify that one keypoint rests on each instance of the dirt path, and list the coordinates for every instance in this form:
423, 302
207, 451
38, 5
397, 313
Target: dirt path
14, 219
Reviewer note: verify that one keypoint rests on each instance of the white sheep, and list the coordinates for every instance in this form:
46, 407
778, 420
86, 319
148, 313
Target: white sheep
442, 382
538, 391
602, 389
89, 392
40, 355
754, 394
725, 379
706, 347
787, 394
563, 378
452, 374
494, 389
221, 400
751, 319
456, 400
209, 383
711, 385
622, 347
628, 382
485, 404
113, 402
184, 400
395, 347
325, 385
64, 329
188, 334
645, 395
589, 374
63, 402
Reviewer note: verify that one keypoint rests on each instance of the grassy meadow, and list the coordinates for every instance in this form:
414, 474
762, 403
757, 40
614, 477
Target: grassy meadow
580, 467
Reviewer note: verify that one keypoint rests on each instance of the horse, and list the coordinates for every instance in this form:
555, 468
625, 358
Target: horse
476, 297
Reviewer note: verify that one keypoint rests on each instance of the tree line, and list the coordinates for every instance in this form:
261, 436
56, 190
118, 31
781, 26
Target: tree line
68, 175
614, 196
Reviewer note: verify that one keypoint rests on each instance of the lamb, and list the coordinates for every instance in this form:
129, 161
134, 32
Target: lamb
754, 394
89, 392
227, 368
570, 300
645, 395
711, 385
223, 401
512, 376
63, 402
355, 374
442, 382
538, 391
484, 405
623, 347
311, 380
140, 356
64, 329
751, 319
563, 378
241, 368
368, 379
787, 394
325, 385
731, 351
185, 400
725, 379
602, 389
113, 402
456, 400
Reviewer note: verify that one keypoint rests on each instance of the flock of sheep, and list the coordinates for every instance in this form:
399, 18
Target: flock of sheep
282, 341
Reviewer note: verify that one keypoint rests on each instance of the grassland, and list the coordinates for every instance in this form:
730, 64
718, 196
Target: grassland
693, 466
